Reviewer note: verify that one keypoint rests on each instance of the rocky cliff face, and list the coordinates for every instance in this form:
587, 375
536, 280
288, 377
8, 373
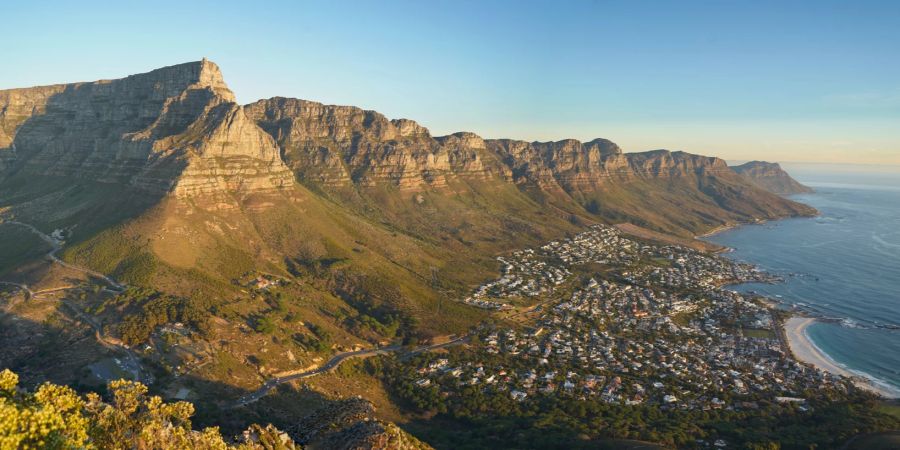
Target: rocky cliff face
771, 177
178, 130
332, 148
172, 129
340, 145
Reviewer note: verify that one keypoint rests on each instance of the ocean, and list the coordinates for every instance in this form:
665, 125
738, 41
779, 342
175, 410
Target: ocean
843, 266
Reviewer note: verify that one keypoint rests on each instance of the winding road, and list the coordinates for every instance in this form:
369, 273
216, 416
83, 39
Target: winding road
56, 246
333, 363
132, 361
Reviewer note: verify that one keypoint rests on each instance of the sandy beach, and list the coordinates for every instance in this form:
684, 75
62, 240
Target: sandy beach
805, 351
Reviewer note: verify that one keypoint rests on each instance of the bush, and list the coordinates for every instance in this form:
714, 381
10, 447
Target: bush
56, 417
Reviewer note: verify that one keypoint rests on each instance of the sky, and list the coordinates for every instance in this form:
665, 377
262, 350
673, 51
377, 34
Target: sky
798, 81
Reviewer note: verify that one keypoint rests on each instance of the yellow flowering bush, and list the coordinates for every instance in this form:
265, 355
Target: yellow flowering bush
57, 418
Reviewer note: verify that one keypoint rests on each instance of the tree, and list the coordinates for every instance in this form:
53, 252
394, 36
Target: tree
264, 324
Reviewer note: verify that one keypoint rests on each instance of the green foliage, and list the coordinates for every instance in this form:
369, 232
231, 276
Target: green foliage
264, 324
55, 417
137, 268
379, 304
320, 342
487, 417
104, 253
149, 309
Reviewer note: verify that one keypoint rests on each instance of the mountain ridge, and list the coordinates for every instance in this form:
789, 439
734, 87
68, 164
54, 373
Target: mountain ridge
171, 129
174, 142
370, 229
772, 177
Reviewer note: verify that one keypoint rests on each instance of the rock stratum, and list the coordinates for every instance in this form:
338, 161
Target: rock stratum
178, 130
771, 177
173, 129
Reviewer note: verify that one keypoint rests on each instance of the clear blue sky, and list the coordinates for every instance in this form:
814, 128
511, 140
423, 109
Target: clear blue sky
786, 81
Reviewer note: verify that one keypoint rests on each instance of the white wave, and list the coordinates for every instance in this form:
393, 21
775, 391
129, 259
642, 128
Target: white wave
881, 241
894, 391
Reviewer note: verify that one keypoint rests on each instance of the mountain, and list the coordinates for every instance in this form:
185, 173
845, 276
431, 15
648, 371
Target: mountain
267, 237
771, 177
174, 129
347, 151
369, 228
162, 177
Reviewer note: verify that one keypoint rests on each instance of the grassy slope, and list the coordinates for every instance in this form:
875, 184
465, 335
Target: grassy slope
688, 206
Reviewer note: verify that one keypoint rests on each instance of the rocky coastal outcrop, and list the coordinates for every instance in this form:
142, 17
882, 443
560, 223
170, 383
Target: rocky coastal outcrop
771, 177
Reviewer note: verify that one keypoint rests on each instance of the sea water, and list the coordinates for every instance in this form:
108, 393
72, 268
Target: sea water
843, 266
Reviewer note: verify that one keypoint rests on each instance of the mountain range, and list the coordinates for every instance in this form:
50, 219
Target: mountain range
163, 181
161, 177
177, 132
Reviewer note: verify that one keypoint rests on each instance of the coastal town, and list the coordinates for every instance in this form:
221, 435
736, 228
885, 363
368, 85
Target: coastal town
630, 323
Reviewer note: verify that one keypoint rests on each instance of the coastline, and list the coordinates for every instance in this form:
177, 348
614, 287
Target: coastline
804, 350
717, 230
799, 344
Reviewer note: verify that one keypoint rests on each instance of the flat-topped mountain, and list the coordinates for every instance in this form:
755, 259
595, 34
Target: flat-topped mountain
771, 177
172, 129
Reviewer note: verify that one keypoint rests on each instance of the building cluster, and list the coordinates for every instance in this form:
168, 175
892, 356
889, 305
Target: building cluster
657, 328
532, 273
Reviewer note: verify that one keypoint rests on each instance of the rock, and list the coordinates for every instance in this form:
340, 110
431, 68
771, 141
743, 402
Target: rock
171, 129
177, 131
351, 425
771, 177
342, 145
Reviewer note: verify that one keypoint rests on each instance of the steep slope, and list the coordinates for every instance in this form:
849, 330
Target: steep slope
669, 191
160, 175
451, 191
161, 181
173, 128
86, 156
365, 161
771, 177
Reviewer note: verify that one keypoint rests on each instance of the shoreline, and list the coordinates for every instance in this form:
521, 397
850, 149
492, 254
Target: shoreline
803, 349
717, 230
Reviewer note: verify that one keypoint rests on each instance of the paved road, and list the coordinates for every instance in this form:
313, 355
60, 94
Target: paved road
333, 363
56, 247
132, 361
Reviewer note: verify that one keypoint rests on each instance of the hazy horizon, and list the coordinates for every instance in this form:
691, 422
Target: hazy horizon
810, 82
